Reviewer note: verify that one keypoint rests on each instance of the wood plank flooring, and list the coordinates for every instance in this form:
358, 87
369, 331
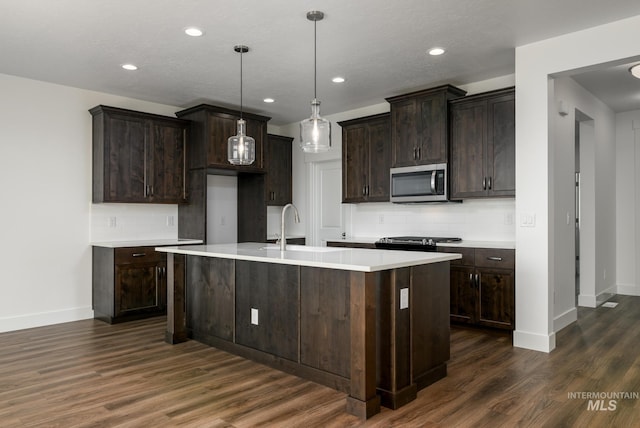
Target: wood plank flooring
91, 374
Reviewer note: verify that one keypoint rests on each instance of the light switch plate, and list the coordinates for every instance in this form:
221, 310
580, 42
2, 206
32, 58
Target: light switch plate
404, 298
254, 316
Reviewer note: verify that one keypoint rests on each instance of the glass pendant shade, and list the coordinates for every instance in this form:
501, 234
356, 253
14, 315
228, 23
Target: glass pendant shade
315, 132
241, 149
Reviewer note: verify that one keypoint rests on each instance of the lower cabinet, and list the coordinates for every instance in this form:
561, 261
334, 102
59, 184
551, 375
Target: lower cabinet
128, 283
483, 287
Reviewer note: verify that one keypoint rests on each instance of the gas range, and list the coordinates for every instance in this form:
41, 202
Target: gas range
413, 243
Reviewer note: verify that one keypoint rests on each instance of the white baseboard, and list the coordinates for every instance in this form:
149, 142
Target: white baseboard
534, 341
563, 320
44, 318
587, 301
628, 289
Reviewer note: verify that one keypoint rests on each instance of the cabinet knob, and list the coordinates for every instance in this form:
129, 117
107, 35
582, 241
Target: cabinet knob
495, 259
139, 254
484, 183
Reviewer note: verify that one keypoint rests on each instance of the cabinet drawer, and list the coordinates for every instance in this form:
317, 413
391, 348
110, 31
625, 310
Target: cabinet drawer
495, 258
468, 255
138, 255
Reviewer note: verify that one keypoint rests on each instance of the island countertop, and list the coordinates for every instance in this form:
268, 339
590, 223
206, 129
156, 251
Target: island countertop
353, 259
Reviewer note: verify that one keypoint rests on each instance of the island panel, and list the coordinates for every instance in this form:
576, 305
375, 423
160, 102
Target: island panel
272, 291
324, 320
210, 297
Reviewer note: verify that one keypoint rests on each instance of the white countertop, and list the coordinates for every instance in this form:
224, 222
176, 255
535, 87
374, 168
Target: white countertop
509, 245
146, 243
355, 259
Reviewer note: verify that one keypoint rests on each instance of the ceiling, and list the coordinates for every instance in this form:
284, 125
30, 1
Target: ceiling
379, 46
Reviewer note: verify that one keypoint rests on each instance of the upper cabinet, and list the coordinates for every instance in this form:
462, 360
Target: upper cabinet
366, 158
211, 127
278, 163
419, 126
138, 157
483, 145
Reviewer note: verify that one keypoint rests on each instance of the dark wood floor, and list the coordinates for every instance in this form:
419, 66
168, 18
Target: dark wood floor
90, 374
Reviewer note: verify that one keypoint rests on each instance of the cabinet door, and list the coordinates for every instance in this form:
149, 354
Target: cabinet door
464, 294
432, 138
404, 130
496, 288
220, 129
355, 163
126, 144
379, 160
138, 288
501, 147
468, 148
278, 162
168, 162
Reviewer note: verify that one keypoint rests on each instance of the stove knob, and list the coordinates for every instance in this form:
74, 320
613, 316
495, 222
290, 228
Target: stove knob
432, 242
425, 241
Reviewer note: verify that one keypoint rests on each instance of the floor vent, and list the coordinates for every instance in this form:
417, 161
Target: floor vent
609, 304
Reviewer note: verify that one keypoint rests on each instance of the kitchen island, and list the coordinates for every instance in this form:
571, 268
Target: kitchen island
371, 323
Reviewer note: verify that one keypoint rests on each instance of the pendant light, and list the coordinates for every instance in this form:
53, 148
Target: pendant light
315, 132
241, 149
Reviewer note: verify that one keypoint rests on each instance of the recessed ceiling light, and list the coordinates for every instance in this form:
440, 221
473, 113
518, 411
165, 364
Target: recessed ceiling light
130, 67
194, 32
338, 79
436, 51
635, 70
268, 100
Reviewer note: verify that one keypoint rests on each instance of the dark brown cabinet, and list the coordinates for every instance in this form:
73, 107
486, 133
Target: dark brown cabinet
366, 159
483, 287
138, 157
483, 145
419, 126
211, 127
278, 163
128, 283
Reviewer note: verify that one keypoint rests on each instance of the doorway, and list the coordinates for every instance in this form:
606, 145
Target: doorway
326, 218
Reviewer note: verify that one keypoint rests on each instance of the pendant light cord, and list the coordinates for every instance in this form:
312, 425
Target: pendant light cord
241, 50
315, 60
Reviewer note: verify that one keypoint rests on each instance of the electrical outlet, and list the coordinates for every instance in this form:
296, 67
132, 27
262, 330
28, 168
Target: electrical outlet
254, 316
112, 222
223, 221
508, 219
404, 298
381, 219
527, 219
170, 221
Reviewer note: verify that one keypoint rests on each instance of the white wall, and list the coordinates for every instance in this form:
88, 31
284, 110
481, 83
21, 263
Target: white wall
222, 209
535, 181
598, 209
45, 171
628, 202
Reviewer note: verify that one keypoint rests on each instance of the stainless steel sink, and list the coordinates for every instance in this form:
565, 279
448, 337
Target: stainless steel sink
302, 248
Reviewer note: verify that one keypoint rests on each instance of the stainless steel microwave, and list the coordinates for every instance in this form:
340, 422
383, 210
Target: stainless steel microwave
422, 183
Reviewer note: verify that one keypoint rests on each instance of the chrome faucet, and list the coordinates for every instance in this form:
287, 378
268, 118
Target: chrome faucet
296, 218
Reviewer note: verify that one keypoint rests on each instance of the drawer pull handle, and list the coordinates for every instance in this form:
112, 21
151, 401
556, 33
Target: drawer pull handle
495, 259
139, 254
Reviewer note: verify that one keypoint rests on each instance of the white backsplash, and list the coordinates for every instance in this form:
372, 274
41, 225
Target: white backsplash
132, 222
477, 220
